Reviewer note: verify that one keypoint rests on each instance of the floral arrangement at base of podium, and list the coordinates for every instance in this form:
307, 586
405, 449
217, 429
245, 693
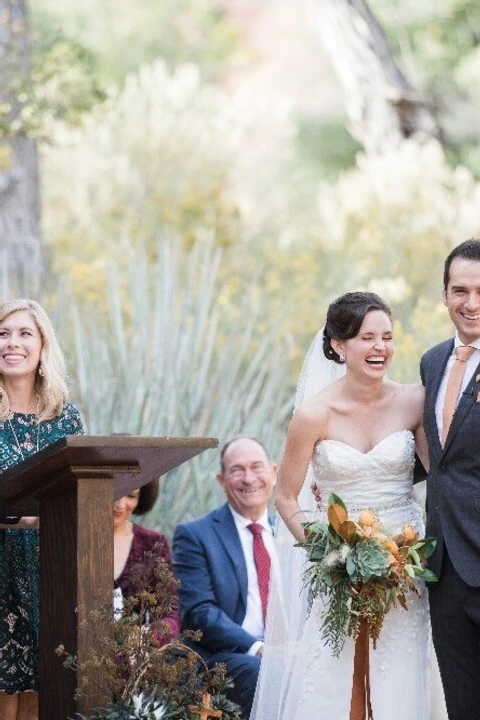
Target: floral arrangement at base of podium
360, 571
144, 677
146, 707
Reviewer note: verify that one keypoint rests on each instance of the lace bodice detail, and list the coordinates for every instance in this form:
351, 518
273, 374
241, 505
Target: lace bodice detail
379, 478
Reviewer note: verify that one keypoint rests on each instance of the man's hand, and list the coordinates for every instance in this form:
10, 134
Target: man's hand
29, 522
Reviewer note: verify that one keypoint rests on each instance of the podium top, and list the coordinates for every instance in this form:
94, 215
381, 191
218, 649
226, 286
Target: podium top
131, 460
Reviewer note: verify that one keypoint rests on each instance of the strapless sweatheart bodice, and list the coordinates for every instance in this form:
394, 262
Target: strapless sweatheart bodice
379, 479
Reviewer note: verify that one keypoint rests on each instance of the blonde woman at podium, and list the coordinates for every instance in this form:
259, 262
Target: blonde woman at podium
34, 412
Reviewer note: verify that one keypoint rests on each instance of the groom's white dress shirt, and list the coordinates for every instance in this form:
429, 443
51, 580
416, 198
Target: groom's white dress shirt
470, 368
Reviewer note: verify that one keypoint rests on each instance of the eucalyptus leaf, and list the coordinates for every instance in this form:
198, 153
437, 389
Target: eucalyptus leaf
351, 568
428, 576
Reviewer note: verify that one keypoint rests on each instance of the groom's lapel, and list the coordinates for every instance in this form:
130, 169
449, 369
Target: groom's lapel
440, 362
467, 401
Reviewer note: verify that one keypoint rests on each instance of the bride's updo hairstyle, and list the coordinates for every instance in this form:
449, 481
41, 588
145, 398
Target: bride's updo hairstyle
345, 316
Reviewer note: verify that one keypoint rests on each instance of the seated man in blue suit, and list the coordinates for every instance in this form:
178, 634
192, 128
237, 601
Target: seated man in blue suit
222, 561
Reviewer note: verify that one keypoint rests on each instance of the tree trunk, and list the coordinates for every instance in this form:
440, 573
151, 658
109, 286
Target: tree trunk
21, 257
382, 108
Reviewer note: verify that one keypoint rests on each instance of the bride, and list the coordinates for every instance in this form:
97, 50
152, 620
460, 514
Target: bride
354, 433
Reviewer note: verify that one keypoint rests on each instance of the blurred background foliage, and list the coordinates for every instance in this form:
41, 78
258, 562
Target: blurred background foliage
123, 36
203, 203
164, 359
438, 45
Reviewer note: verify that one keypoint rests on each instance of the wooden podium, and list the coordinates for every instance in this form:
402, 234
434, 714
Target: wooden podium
72, 485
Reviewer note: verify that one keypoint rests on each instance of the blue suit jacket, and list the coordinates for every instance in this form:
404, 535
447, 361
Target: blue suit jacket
209, 562
453, 482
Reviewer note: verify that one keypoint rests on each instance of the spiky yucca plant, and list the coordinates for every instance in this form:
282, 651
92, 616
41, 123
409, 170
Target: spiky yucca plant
166, 361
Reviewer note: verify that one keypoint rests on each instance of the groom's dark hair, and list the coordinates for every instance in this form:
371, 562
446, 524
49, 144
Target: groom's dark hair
468, 250
345, 316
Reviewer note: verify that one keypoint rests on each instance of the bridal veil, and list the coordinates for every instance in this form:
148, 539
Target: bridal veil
288, 600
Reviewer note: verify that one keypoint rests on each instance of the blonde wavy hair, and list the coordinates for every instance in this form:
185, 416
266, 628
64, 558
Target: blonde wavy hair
50, 383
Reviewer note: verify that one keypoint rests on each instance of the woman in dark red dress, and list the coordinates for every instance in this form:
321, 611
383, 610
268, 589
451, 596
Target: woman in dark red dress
136, 553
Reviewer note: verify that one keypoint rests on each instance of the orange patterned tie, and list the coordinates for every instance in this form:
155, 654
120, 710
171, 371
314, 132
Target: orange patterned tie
262, 563
454, 383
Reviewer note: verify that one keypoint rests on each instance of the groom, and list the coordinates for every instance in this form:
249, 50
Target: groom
451, 375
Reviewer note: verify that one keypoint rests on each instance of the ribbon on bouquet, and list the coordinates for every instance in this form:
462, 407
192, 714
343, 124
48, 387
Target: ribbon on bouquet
360, 705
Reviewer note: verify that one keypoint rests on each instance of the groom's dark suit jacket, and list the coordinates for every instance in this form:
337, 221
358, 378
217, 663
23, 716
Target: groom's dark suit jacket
453, 484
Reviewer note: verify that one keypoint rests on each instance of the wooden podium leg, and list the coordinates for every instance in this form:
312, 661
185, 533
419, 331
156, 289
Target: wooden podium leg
76, 577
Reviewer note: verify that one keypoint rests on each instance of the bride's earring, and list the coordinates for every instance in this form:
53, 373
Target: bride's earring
342, 357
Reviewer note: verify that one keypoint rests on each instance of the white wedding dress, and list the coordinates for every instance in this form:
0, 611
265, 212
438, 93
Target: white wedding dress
318, 686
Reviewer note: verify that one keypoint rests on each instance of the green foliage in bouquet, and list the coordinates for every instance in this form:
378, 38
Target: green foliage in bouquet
136, 662
360, 571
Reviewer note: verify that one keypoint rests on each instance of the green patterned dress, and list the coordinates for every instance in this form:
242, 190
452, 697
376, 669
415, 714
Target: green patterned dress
20, 437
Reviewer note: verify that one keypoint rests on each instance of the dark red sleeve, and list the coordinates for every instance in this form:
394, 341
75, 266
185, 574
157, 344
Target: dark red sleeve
154, 545
172, 620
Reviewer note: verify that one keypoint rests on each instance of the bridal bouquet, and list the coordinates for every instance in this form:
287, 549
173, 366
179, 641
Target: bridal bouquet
360, 571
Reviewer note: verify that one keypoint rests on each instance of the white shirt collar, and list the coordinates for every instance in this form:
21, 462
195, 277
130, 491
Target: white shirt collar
243, 522
458, 342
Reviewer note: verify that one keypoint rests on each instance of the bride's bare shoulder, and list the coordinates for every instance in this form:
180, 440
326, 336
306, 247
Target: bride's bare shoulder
412, 394
412, 390
315, 411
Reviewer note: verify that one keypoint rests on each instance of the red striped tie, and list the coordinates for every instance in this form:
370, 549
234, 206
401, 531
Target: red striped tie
262, 563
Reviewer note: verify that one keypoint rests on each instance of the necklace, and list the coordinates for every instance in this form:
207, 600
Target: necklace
19, 448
